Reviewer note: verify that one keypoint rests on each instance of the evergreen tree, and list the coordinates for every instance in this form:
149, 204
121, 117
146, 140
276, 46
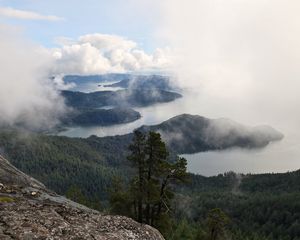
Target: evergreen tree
156, 157
217, 221
151, 189
120, 199
75, 194
137, 157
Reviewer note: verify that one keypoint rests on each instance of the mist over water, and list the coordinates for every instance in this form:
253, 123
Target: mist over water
150, 116
277, 157
92, 87
242, 58
237, 60
234, 59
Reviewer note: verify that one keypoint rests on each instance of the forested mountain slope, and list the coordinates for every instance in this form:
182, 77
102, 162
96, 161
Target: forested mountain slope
263, 206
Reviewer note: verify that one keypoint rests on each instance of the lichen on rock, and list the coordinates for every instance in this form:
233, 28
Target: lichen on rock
38, 213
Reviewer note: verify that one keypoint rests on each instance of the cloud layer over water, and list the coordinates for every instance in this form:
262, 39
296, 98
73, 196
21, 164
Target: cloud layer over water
242, 57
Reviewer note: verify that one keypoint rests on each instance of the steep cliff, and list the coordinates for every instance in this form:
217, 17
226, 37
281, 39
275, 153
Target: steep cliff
28, 210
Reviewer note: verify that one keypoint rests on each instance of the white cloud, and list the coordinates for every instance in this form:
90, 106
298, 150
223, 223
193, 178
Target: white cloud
27, 96
242, 57
106, 42
27, 15
59, 83
102, 53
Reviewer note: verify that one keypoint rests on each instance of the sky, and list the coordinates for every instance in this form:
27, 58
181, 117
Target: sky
39, 39
90, 37
76, 18
240, 56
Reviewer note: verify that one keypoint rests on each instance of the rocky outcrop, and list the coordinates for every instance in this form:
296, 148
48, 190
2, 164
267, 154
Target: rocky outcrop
10, 175
28, 210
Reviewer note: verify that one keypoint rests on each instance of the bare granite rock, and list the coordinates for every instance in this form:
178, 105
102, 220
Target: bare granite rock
30, 211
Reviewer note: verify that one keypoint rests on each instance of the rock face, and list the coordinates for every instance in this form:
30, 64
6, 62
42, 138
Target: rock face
30, 211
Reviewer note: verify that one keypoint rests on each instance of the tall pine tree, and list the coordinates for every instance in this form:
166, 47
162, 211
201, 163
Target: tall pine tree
151, 188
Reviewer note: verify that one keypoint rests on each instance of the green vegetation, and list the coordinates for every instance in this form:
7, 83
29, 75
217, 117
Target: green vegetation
6, 199
216, 223
86, 106
187, 133
96, 170
263, 206
62, 162
127, 97
149, 194
100, 117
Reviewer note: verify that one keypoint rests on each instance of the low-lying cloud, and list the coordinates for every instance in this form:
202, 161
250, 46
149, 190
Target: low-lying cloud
102, 53
31, 76
241, 57
27, 96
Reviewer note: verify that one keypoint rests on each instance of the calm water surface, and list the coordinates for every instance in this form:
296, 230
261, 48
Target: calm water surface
277, 157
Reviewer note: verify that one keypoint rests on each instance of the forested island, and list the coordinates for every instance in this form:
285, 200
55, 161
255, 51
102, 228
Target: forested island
132, 98
100, 117
90, 108
188, 133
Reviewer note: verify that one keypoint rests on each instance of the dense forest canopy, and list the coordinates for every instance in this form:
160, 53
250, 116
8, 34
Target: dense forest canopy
263, 206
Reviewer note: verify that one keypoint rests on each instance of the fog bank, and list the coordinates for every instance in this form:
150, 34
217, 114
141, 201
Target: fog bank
241, 57
27, 96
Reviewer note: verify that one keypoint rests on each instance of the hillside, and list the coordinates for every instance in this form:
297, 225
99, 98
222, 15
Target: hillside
254, 203
261, 206
131, 98
192, 133
139, 91
100, 117
31, 211
91, 163
145, 82
62, 162
88, 109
